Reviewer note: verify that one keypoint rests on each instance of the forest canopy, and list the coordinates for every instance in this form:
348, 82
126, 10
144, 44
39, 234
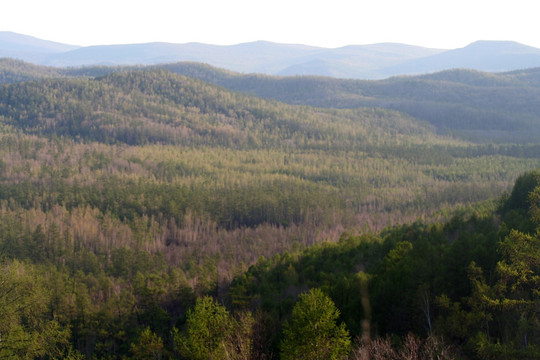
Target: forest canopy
136, 202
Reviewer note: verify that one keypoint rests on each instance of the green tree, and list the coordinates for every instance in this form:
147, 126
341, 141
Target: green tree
26, 331
534, 198
239, 342
208, 325
312, 332
514, 299
148, 347
519, 296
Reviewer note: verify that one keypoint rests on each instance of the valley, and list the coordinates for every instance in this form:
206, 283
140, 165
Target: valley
129, 194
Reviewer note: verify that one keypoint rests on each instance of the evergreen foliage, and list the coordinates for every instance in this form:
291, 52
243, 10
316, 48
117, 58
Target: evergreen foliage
141, 201
312, 331
208, 325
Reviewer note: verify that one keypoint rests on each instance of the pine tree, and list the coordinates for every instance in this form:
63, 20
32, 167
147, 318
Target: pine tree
312, 331
208, 325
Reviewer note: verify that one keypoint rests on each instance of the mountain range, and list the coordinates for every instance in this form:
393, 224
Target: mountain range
375, 61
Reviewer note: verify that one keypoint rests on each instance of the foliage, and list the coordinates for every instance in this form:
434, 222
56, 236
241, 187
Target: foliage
149, 346
484, 107
312, 331
208, 325
513, 300
129, 196
26, 332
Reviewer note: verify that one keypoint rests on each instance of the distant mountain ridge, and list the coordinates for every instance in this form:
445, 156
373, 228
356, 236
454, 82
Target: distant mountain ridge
367, 60
490, 56
374, 61
30, 48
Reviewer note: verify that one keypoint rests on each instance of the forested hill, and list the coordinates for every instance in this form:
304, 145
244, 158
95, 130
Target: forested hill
157, 106
477, 106
12, 71
472, 105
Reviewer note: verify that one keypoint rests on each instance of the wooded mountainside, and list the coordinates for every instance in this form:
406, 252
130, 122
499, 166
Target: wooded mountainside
471, 105
140, 209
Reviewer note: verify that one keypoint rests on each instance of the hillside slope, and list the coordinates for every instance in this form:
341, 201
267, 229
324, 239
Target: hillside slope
477, 106
472, 105
157, 106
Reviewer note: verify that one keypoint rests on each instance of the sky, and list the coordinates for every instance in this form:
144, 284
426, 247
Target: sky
331, 23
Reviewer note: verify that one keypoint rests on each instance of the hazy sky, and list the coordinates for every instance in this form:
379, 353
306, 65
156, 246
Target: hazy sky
331, 23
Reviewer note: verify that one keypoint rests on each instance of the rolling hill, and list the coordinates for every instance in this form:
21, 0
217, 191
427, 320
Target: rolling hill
468, 104
478, 106
158, 106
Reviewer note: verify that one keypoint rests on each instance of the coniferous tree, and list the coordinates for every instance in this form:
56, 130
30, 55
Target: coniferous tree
312, 331
208, 325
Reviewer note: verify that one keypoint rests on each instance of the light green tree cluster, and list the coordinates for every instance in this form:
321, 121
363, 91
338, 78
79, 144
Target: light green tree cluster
312, 331
26, 332
213, 333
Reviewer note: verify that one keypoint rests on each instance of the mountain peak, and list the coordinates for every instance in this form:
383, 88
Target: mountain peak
373, 61
26, 43
497, 46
